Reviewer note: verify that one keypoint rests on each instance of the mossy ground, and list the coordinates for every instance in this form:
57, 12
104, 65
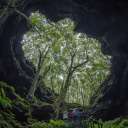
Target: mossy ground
15, 112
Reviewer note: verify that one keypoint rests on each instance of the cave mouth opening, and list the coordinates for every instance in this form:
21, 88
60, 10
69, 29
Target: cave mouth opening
57, 47
110, 30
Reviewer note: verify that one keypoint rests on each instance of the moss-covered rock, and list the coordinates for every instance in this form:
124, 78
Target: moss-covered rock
42, 111
45, 94
13, 104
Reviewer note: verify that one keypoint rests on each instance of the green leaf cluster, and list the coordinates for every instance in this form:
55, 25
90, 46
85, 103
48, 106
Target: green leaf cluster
116, 123
5, 101
10, 101
58, 123
33, 123
68, 49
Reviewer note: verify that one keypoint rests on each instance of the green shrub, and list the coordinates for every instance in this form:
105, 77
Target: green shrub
124, 123
39, 125
9, 115
116, 123
58, 123
14, 101
33, 123
4, 101
113, 122
10, 102
5, 124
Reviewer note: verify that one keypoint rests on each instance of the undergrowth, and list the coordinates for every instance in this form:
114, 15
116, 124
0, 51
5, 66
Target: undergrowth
116, 123
9, 101
58, 123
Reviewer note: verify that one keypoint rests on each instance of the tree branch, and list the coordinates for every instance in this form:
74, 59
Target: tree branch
35, 26
45, 56
52, 24
81, 70
40, 56
79, 65
46, 71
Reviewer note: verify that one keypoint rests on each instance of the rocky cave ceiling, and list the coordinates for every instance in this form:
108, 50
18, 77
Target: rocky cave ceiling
105, 20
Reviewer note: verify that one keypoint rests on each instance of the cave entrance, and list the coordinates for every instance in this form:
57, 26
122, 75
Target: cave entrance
60, 55
108, 25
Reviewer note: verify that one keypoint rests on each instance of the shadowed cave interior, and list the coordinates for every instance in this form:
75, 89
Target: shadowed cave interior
104, 21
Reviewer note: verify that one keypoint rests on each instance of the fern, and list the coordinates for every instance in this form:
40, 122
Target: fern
58, 123
33, 123
9, 115
116, 123
4, 101
124, 123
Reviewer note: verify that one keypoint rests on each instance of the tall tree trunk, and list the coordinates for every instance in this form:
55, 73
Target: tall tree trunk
68, 95
62, 84
30, 96
61, 97
42, 77
73, 96
77, 96
82, 95
63, 92
52, 84
33, 86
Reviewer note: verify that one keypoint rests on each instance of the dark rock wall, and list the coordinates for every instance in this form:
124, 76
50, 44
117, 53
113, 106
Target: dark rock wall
14, 69
111, 99
105, 20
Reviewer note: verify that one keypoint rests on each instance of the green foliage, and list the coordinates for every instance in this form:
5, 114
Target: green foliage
10, 101
116, 123
5, 101
68, 51
32, 123
9, 115
13, 97
124, 123
113, 122
17, 124
39, 125
3, 12
1, 116
5, 124
58, 123
10, 124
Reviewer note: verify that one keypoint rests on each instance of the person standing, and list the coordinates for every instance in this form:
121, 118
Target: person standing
65, 116
73, 114
76, 114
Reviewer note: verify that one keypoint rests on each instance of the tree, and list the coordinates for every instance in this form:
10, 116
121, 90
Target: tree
73, 61
70, 60
40, 43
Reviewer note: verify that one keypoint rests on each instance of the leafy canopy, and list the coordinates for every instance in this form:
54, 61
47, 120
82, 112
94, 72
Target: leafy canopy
65, 45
